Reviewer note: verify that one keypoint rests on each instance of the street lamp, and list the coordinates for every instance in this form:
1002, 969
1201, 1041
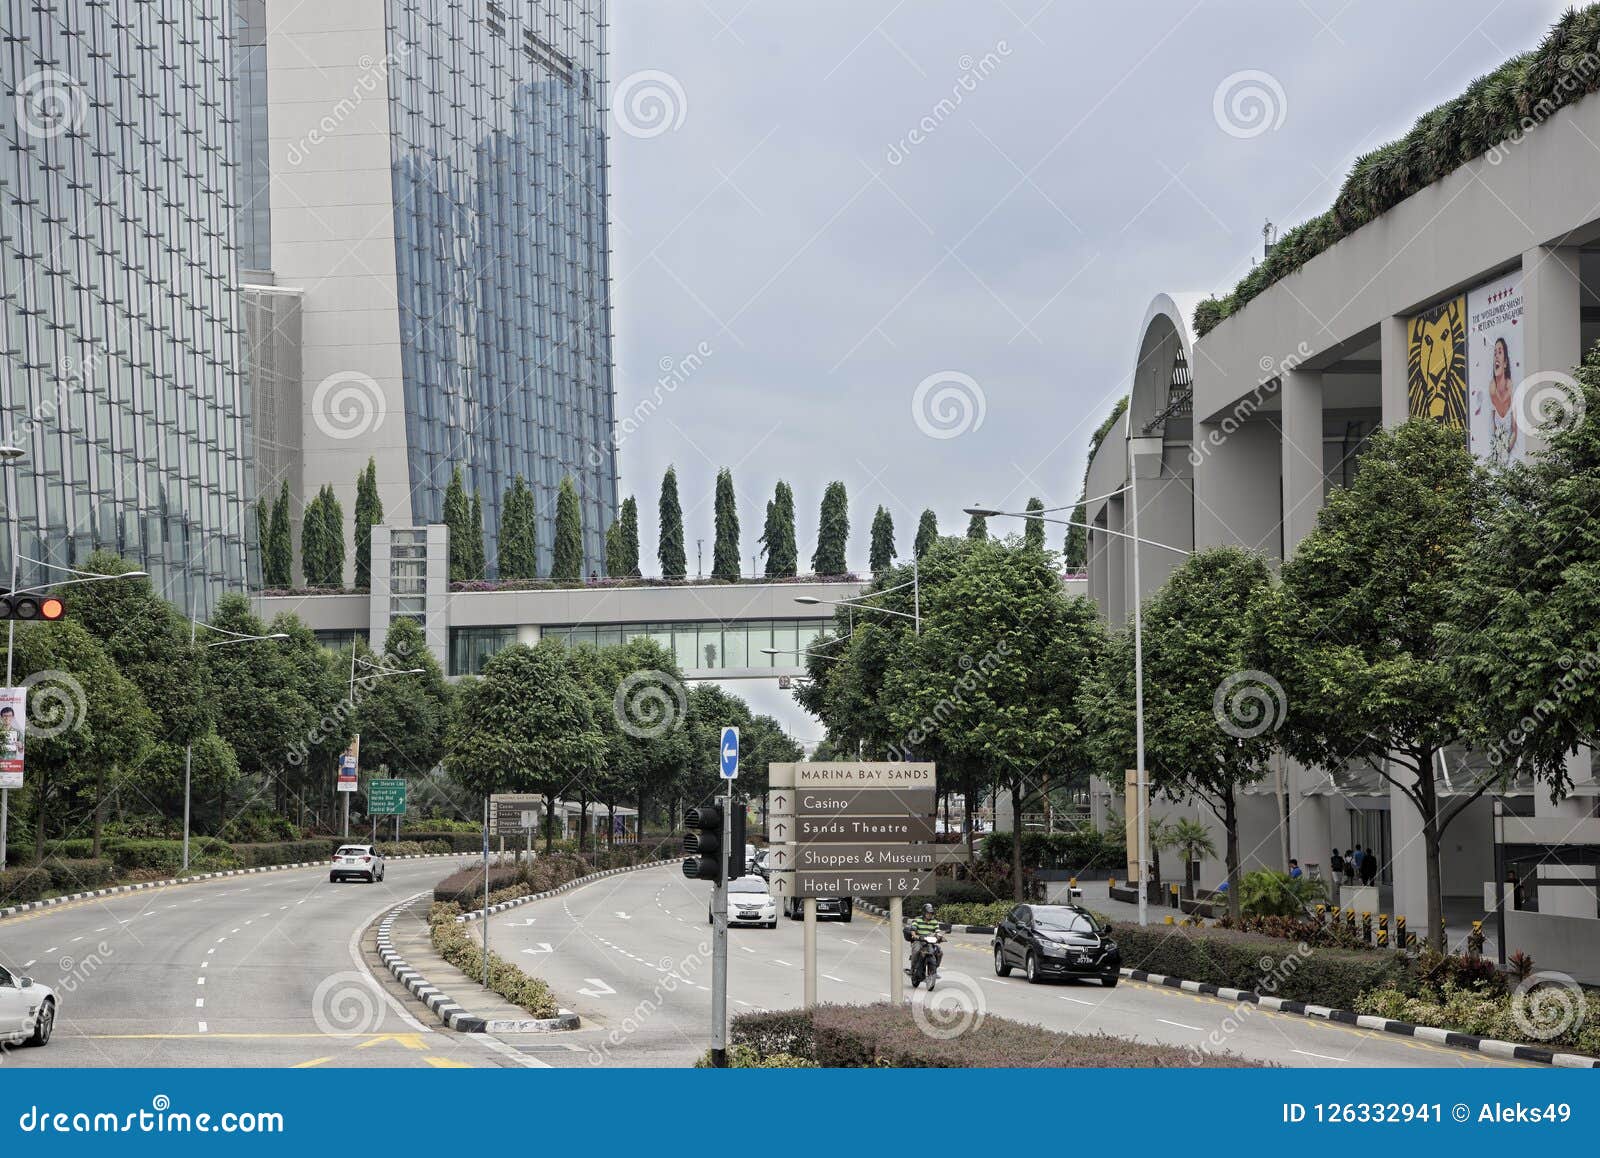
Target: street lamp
188, 749
378, 672
1141, 779
855, 604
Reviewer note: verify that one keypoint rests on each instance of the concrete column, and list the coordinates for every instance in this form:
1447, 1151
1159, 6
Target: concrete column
1117, 560
1236, 493
1551, 302
1392, 386
1301, 397
1410, 862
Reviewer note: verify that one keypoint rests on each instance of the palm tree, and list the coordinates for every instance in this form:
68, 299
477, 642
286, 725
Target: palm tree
1194, 840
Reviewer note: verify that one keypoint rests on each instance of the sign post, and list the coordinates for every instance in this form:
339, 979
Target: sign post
728, 768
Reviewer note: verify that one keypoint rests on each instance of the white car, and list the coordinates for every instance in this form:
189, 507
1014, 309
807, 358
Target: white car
27, 1010
356, 860
749, 903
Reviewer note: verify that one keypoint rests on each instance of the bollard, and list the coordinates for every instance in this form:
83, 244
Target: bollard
1322, 914
1400, 932
1366, 927
1168, 919
1072, 889
1475, 940
1111, 882
1383, 937
1173, 891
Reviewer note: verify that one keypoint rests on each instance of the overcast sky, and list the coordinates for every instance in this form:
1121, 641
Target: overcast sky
770, 207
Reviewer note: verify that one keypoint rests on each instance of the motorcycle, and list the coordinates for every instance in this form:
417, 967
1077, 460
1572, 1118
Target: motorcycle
926, 956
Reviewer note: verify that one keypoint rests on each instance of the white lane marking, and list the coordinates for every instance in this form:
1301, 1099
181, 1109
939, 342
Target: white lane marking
202, 1027
746, 948
885, 952
199, 980
25, 964
541, 947
511, 1053
203, 964
848, 941
1323, 1056
101, 929
354, 947
746, 1004
992, 980
781, 961
75, 940
50, 950
199, 1002
1180, 1025
231, 932
840, 980
624, 916
220, 940
1078, 1000
597, 988
211, 950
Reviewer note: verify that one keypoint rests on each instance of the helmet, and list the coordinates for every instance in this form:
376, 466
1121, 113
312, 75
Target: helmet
928, 909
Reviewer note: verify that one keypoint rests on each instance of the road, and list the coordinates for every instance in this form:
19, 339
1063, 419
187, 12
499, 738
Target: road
631, 953
257, 970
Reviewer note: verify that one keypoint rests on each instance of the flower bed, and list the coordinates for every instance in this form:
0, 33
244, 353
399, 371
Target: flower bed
454, 943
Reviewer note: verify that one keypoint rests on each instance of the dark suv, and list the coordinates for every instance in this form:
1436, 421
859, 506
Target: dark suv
1056, 941
841, 907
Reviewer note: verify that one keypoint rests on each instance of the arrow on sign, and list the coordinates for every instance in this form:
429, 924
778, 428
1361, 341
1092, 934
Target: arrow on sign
778, 800
780, 885
599, 988
781, 855
779, 828
543, 947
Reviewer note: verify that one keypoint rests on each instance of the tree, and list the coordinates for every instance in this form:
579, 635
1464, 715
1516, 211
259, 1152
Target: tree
1201, 740
628, 553
725, 547
568, 561
1075, 552
927, 533
518, 556
475, 536
527, 725
402, 719
1525, 628
333, 532
458, 517
1033, 528
1193, 839
882, 542
1357, 631
368, 514
263, 533
669, 552
313, 543
833, 532
977, 529
614, 546
777, 537
277, 562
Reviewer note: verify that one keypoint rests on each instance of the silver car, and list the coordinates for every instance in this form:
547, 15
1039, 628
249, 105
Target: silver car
27, 1010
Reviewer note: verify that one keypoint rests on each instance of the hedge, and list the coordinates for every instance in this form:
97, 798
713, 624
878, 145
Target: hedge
1265, 965
1518, 96
882, 1035
454, 943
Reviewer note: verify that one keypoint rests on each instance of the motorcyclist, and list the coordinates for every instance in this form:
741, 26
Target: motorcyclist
922, 953
924, 924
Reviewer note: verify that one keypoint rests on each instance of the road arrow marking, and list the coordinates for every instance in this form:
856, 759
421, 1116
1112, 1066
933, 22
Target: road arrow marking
625, 916
543, 947
409, 1040
600, 988
445, 1063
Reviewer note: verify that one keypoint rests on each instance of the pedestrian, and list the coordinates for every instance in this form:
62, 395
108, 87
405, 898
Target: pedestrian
1349, 867
1336, 865
1369, 868
1294, 869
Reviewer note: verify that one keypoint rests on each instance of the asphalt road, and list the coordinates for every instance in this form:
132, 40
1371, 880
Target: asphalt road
631, 953
257, 970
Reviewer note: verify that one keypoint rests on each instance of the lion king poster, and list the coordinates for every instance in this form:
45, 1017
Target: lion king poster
1494, 357
1436, 363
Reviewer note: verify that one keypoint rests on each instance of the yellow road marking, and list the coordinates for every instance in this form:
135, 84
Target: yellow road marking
445, 1063
247, 1036
409, 1040
316, 1061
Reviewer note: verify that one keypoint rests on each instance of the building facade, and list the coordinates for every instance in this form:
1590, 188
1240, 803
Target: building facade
437, 191
118, 372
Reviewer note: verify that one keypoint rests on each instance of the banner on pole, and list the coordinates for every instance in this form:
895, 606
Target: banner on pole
13, 721
349, 776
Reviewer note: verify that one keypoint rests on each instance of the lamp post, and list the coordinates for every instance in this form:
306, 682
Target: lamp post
915, 614
1141, 784
188, 748
378, 673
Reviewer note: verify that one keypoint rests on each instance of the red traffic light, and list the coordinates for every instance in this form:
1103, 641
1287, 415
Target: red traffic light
51, 608
27, 607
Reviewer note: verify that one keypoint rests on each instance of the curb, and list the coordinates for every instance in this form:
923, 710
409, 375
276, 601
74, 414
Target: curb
943, 927
575, 882
1488, 1045
115, 890
450, 1012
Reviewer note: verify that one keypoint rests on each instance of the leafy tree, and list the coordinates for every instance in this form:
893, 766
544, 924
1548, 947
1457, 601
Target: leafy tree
402, 719
927, 533
518, 544
568, 562
725, 547
1033, 529
978, 529
313, 542
475, 536
526, 725
628, 552
1208, 720
1193, 839
458, 517
263, 532
833, 532
777, 537
277, 559
650, 749
614, 547
1357, 630
882, 541
368, 514
333, 530
669, 552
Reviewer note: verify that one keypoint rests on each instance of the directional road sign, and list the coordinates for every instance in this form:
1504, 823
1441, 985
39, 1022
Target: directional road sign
853, 857
730, 753
866, 883
864, 802
862, 829
386, 797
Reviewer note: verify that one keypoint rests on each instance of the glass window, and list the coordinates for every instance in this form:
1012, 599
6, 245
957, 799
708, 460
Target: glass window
472, 647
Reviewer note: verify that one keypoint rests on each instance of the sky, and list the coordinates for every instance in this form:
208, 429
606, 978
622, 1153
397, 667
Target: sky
909, 245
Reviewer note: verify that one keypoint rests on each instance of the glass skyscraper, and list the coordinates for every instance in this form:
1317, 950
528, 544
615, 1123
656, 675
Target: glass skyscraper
497, 120
118, 369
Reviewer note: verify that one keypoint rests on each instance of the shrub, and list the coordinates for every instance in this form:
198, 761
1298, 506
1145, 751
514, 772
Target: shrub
1487, 1014
21, 885
454, 840
76, 876
166, 856
743, 1057
286, 851
259, 828
872, 1036
454, 943
991, 913
1270, 893
1266, 965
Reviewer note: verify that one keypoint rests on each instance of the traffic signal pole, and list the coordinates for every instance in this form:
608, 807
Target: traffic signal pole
719, 940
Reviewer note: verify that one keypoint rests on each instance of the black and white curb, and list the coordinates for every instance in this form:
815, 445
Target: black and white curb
1488, 1045
450, 1012
574, 883
115, 890
943, 926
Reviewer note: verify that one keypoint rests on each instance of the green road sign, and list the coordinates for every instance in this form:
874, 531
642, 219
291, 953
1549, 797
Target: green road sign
386, 797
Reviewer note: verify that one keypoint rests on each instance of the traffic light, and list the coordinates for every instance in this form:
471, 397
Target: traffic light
736, 865
702, 842
25, 607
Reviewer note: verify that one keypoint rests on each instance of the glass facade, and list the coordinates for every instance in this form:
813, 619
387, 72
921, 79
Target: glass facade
472, 647
253, 169
498, 144
118, 358
707, 646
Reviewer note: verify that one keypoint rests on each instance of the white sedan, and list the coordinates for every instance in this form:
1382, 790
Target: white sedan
27, 1010
749, 903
